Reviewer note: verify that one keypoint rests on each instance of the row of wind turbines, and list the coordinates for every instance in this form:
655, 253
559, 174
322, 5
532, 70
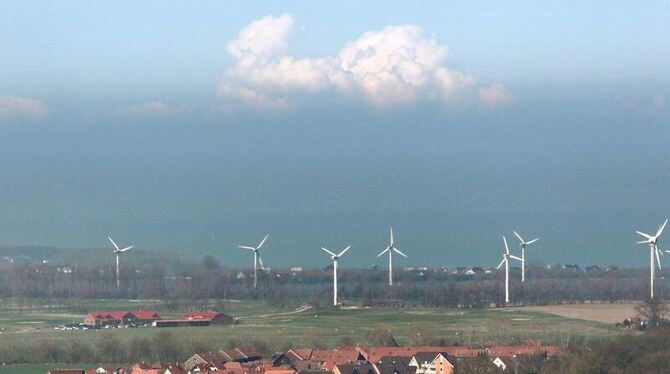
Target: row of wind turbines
651, 240
391, 249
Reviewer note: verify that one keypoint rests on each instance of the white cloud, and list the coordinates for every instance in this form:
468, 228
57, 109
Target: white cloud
261, 39
248, 96
21, 107
155, 108
395, 65
495, 95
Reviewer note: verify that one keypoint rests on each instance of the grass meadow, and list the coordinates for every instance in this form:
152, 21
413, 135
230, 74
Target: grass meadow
296, 325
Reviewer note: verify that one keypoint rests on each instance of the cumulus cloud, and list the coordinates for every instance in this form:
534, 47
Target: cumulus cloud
395, 65
495, 95
12, 107
155, 108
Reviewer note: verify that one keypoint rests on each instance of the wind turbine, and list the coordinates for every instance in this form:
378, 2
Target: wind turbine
257, 257
335, 257
505, 260
390, 249
523, 244
117, 252
652, 240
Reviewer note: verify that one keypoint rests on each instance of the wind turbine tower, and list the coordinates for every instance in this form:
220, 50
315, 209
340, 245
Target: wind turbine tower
117, 252
390, 249
335, 257
652, 240
257, 257
505, 260
523, 244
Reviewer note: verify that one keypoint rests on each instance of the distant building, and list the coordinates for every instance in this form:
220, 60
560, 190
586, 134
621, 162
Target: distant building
195, 318
395, 365
143, 368
120, 317
357, 368
433, 363
499, 363
592, 269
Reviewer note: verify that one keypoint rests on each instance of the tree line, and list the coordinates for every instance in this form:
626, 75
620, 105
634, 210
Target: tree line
431, 287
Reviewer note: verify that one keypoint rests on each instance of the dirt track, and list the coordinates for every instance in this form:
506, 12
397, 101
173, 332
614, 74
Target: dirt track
606, 313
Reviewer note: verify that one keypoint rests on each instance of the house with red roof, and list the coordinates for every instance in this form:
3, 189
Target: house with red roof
143, 368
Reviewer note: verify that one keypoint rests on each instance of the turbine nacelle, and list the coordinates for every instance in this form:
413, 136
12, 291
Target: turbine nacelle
652, 240
522, 242
334, 256
256, 250
118, 250
507, 255
391, 247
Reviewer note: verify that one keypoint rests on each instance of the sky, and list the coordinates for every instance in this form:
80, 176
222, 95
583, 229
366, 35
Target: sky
198, 126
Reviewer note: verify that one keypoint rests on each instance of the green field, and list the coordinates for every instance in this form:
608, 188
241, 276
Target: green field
295, 326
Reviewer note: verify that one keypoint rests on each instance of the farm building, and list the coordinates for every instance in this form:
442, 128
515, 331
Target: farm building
214, 317
120, 317
196, 319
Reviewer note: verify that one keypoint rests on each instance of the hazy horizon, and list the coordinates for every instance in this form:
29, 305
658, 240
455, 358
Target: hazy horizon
182, 131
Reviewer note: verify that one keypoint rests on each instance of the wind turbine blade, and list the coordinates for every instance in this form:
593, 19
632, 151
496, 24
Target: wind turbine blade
391, 236
345, 249
506, 247
260, 261
516, 258
262, 242
329, 252
114, 244
399, 252
660, 229
246, 247
384, 251
658, 259
643, 234
532, 241
127, 248
644, 242
518, 236
501, 263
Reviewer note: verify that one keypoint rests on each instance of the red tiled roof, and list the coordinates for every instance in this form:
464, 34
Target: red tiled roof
304, 353
336, 356
279, 371
119, 314
201, 315
376, 353
114, 314
146, 314
362, 349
